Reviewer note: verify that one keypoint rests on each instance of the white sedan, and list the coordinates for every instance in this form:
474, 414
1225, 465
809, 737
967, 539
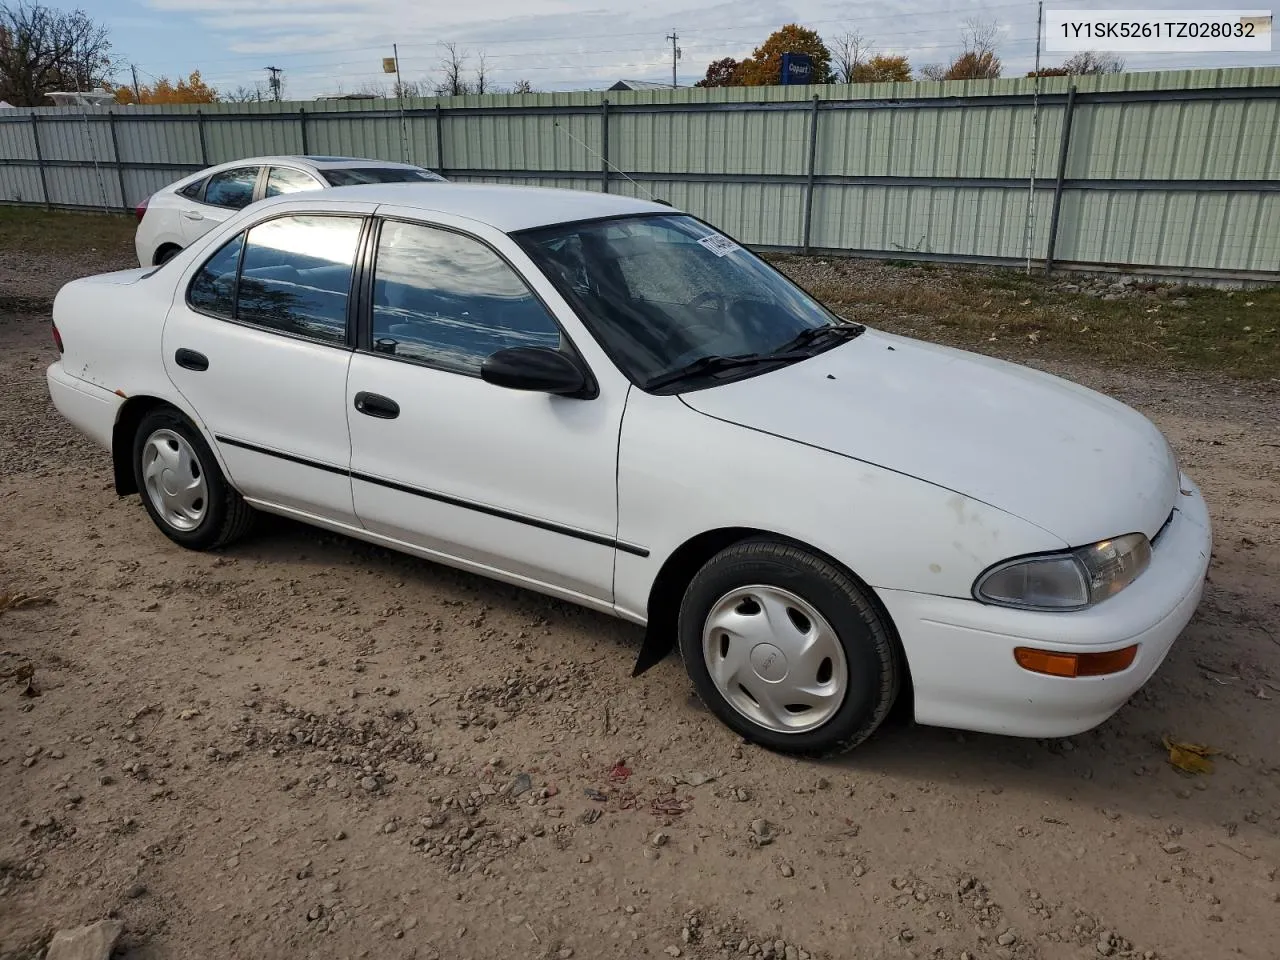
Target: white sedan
611, 402
184, 211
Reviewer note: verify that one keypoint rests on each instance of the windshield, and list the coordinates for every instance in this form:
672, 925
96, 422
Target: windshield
353, 176
663, 292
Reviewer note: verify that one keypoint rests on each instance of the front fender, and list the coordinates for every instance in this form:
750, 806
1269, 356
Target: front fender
682, 473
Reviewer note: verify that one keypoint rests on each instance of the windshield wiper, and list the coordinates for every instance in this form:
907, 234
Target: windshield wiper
715, 363
805, 338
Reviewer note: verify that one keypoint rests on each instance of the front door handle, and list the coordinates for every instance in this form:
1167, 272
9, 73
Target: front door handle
376, 405
191, 359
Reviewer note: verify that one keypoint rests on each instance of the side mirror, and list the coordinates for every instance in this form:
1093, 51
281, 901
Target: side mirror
535, 368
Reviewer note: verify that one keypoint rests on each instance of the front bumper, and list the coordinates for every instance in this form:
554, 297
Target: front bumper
961, 651
90, 408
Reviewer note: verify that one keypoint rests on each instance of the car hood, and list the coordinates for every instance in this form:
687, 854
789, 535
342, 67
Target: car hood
1077, 464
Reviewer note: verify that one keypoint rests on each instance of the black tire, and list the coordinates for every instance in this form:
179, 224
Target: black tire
226, 516
874, 670
166, 254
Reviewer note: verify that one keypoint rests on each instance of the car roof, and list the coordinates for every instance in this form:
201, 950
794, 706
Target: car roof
316, 162
506, 208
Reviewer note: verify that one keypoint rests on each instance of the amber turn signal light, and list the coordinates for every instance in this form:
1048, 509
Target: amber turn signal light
1057, 664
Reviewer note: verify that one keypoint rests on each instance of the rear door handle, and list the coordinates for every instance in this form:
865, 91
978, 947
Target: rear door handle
376, 405
191, 359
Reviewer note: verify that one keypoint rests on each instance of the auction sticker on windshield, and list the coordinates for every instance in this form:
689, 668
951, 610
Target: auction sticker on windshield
719, 245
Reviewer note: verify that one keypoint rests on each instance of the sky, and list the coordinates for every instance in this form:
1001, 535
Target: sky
336, 46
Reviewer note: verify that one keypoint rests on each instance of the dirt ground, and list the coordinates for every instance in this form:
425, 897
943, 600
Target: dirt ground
309, 747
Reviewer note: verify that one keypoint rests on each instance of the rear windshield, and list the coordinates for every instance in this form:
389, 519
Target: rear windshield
353, 176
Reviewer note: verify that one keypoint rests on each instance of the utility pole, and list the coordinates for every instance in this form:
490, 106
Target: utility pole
1035, 137
675, 55
275, 82
404, 131
137, 93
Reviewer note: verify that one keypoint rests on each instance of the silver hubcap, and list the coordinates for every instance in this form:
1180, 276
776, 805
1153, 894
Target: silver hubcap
775, 658
174, 481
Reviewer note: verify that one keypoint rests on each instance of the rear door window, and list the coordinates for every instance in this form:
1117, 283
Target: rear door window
295, 275
232, 188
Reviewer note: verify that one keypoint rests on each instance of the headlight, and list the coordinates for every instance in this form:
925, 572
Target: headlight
1066, 581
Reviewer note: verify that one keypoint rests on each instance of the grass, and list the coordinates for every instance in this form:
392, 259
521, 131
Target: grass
64, 233
1005, 313
1001, 312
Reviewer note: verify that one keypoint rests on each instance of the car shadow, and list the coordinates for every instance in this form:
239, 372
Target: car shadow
1120, 766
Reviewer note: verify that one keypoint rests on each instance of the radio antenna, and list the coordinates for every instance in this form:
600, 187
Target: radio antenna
597, 156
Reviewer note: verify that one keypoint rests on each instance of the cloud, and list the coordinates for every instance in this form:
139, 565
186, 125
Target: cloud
565, 44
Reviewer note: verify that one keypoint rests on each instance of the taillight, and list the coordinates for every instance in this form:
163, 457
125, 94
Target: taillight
141, 209
57, 339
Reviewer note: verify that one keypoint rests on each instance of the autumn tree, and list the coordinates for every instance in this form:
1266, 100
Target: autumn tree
43, 50
764, 66
721, 73
976, 61
191, 90
882, 68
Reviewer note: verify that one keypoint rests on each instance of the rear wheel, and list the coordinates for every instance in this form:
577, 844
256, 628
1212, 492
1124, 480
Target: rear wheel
788, 649
167, 253
182, 487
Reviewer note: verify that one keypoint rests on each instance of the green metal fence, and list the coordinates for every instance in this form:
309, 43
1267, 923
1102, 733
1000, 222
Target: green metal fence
1174, 172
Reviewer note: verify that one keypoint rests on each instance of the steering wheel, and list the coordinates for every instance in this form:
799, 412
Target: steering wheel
708, 297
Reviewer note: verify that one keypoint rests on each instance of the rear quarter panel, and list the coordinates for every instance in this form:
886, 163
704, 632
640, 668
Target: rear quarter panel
111, 334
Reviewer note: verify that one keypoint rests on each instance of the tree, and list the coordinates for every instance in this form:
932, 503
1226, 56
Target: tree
482, 84
1084, 64
722, 73
243, 94
764, 66
409, 89
883, 68
1087, 62
44, 50
452, 65
191, 90
849, 51
976, 61
522, 86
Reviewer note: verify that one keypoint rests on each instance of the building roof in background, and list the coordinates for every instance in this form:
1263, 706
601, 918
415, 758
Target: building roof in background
640, 85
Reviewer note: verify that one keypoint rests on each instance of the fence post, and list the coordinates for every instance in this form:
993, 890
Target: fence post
204, 149
604, 145
115, 152
44, 181
302, 124
1063, 148
439, 139
813, 158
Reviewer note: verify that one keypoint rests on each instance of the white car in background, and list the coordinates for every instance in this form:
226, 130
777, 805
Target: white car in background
611, 402
175, 216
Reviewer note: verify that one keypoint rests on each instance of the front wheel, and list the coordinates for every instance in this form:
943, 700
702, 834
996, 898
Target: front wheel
182, 487
788, 649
